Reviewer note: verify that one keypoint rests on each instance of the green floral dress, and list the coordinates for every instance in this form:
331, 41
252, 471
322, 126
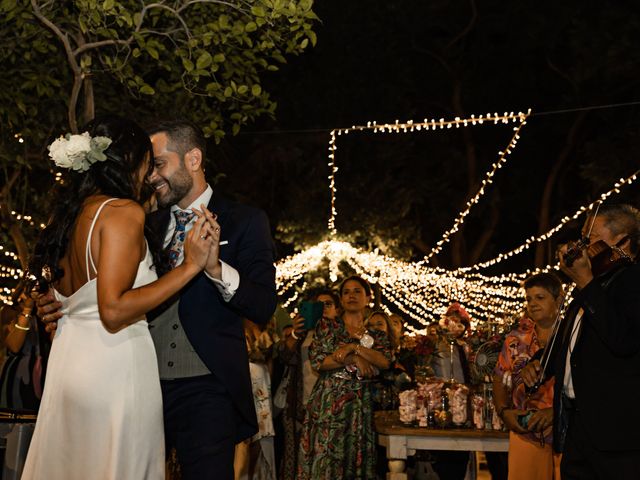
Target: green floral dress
338, 441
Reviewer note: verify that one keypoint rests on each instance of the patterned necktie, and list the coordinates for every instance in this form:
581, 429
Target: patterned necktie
174, 248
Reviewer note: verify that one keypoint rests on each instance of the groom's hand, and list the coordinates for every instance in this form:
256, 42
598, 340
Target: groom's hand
213, 266
48, 309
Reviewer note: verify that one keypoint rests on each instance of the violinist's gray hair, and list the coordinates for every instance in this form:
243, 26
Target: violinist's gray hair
623, 218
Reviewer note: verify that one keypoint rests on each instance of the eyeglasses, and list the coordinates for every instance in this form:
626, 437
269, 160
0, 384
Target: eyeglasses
329, 303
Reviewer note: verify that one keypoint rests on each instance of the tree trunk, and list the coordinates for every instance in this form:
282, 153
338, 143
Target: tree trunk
13, 227
545, 204
487, 233
21, 245
458, 245
88, 102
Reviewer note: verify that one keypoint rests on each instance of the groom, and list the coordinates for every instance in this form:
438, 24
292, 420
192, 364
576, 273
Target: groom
199, 339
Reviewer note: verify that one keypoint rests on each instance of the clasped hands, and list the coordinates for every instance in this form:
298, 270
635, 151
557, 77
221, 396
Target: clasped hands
202, 244
540, 419
201, 247
348, 354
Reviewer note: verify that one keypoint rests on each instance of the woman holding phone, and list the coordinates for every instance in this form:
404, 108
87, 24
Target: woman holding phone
299, 377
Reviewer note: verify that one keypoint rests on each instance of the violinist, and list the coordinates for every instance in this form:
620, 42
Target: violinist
529, 415
596, 357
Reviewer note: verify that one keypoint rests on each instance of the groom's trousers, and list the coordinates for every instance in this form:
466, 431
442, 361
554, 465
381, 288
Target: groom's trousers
200, 423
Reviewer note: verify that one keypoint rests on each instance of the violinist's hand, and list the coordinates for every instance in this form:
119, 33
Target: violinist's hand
510, 420
580, 271
530, 372
540, 420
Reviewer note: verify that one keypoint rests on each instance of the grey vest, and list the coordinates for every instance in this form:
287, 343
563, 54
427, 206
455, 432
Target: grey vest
176, 356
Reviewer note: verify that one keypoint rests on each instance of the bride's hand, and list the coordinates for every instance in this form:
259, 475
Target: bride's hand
197, 244
213, 267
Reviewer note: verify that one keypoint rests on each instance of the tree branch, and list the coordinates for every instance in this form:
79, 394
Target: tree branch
465, 31
487, 233
101, 43
73, 64
218, 2
175, 12
545, 203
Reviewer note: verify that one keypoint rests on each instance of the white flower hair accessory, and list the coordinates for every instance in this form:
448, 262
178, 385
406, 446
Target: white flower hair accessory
78, 152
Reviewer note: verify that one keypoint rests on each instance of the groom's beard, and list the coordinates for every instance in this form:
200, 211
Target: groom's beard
174, 189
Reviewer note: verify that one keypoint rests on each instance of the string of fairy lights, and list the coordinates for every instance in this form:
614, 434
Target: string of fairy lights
426, 125
623, 182
419, 291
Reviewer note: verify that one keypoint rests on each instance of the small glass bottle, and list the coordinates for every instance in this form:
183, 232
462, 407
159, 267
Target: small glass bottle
444, 417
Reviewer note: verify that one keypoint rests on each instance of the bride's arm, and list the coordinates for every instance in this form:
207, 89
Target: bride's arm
121, 236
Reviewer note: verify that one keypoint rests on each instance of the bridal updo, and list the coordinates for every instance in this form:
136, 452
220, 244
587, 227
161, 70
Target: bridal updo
111, 171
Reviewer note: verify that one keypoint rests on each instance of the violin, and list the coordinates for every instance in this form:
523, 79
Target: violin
603, 257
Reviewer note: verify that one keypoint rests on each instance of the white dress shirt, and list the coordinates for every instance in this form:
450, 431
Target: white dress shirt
568, 379
230, 276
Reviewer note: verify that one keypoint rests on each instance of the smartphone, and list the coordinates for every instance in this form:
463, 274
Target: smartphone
312, 312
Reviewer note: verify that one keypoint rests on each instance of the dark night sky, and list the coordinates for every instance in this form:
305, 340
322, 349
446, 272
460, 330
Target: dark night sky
400, 60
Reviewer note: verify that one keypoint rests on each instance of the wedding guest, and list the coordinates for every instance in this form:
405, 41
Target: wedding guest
299, 380
396, 331
450, 363
455, 323
338, 440
530, 444
382, 385
378, 320
27, 346
255, 457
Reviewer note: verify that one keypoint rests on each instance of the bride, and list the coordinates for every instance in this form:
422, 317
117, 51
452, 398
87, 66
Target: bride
101, 411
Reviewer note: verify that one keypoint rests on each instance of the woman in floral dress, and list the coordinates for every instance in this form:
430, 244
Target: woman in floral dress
338, 440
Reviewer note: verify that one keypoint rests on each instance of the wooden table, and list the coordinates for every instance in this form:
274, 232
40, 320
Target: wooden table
402, 441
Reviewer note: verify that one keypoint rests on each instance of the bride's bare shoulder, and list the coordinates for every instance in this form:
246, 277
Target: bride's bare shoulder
116, 209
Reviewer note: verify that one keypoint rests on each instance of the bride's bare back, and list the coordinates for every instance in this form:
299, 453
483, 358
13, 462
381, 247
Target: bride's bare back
116, 214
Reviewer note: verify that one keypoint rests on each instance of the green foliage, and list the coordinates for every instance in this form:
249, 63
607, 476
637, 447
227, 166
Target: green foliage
201, 59
210, 53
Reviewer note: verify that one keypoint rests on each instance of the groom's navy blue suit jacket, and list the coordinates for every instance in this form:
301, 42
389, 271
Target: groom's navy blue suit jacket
214, 326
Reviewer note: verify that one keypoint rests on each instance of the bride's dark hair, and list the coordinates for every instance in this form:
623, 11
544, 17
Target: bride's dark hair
114, 177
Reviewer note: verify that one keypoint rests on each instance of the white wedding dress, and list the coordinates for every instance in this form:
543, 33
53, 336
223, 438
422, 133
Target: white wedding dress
101, 412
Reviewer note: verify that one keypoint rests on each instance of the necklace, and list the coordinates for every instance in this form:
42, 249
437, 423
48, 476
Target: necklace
362, 335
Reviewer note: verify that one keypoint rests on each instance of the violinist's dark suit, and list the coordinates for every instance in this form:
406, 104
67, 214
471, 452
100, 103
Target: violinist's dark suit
600, 429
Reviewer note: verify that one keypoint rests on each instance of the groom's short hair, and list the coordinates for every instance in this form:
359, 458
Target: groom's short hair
183, 135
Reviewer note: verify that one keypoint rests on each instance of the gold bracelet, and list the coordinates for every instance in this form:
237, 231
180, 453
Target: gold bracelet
20, 327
